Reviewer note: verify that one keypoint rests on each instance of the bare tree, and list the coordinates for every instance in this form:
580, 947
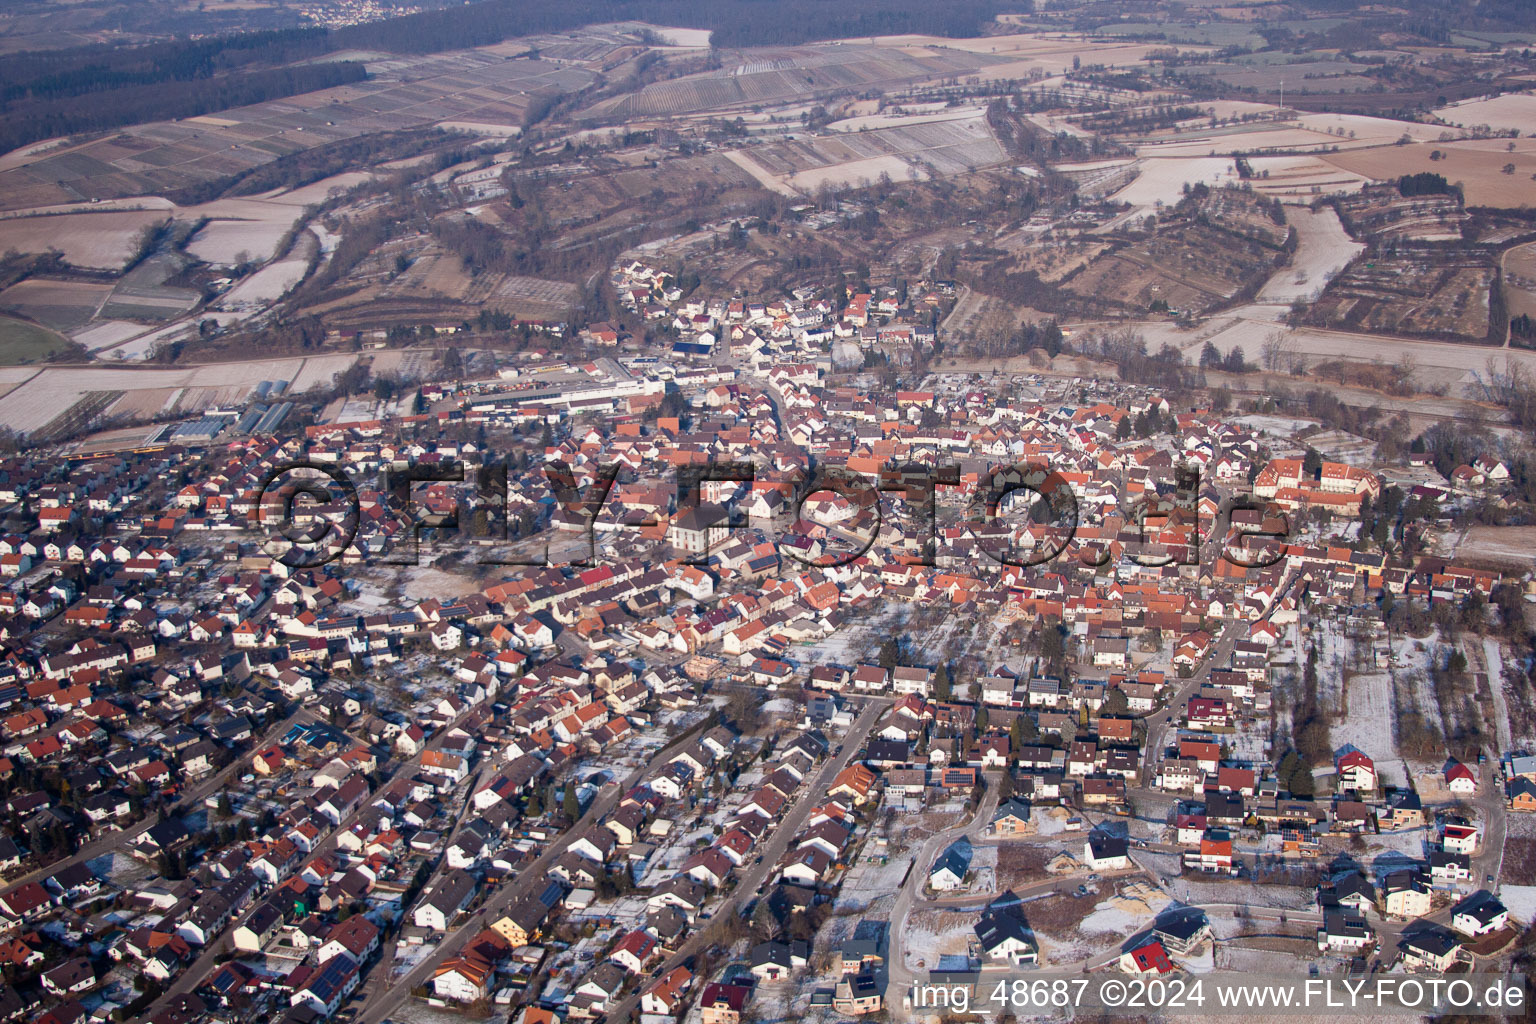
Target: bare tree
1272, 354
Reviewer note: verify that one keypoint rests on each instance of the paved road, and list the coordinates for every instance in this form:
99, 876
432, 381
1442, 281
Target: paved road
899, 977
388, 994
194, 974
1488, 861
116, 840
1159, 723
812, 790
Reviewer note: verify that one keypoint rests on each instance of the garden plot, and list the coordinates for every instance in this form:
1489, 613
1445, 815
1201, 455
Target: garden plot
857, 639
1520, 900
1369, 711
1251, 743
1415, 290
1335, 654
1278, 426
872, 877
1415, 697
1493, 664
1057, 924
1190, 265
1519, 865
1020, 865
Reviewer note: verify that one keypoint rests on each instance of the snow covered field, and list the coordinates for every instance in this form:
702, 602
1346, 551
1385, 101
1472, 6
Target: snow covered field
1370, 712
268, 284
1162, 180
1324, 249
1512, 110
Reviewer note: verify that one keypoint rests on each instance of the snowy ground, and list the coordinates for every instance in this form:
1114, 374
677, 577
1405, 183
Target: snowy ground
1493, 662
873, 876
1324, 249
1521, 901
1516, 110
932, 933
267, 285
1279, 426
851, 644
1121, 917
1370, 712
1163, 180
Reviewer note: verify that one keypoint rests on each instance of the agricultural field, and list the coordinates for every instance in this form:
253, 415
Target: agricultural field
775, 76
1161, 182
1511, 111
1292, 134
22, 342
1298, 78
1520, 280
1301, 179
1190, 264
1456, 367
105, 334
934, 149
266, 285
61, 305
1208, 33
145, 294
92, 241
222, 242
491, 84
1413, 291
1477, 165
1508, 546
185, 389
1323, 249
435, 288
